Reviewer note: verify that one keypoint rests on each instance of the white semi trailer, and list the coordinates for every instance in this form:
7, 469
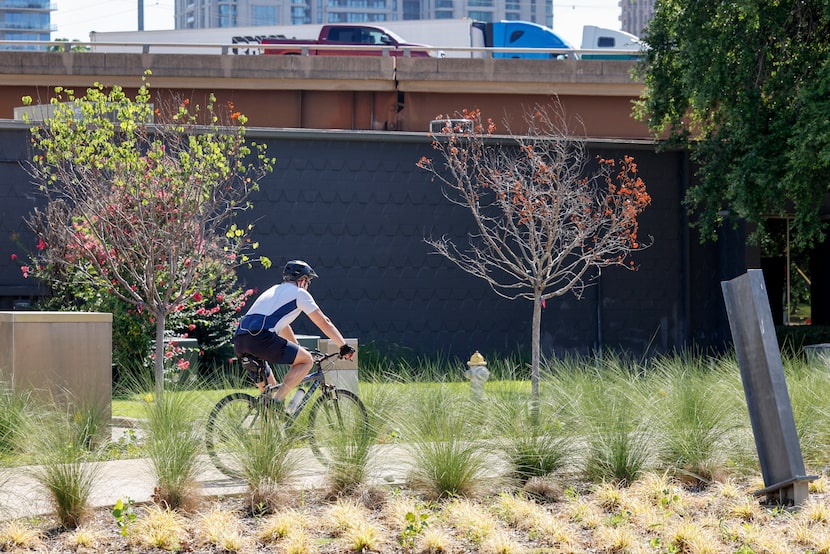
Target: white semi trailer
455, 37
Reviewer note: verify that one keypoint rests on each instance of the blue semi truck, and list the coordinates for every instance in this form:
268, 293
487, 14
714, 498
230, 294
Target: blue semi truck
478, 39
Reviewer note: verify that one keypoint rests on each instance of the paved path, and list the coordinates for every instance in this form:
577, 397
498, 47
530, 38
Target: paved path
22, 496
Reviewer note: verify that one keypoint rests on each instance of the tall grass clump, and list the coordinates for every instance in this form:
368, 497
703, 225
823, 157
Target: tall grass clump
352, 455
699, 412
534, 443
173, 445
14, 407
265, 459
808, 383
443, 441
64, 443
603, 402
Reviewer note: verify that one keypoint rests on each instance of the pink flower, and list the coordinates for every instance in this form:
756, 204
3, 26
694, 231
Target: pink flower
219, 297
192, 326
14, 256
41, 245
197, 297
183, 364
25, 270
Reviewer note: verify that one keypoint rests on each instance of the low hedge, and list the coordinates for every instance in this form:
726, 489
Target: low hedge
793, 338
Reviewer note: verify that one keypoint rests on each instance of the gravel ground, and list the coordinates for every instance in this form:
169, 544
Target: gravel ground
653, 515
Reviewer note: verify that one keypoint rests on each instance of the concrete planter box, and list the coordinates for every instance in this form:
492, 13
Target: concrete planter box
818, 355
59, 356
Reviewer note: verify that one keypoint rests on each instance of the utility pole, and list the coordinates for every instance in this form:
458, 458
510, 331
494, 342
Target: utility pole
140, 15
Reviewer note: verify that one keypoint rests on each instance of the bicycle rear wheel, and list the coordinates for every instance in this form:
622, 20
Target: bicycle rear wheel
337, 419
233, 417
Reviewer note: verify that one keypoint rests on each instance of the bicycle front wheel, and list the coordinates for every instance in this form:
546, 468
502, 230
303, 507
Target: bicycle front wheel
337, 421
234, 419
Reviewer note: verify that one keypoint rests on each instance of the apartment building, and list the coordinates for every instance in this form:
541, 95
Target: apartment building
25, 20
195, 14
635, 15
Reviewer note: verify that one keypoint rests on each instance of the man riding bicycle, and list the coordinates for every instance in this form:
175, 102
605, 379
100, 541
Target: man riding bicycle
265, 330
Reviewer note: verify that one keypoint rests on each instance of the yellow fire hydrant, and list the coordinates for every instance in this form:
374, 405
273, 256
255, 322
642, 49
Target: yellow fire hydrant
477, 373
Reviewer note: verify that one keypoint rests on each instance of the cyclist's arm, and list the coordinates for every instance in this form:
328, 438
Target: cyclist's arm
326, 326
288, 334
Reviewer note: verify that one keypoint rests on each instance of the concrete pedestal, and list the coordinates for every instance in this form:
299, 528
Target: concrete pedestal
343, 374
60, 356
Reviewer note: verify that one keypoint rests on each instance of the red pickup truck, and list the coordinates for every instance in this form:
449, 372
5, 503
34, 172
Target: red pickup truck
385, 42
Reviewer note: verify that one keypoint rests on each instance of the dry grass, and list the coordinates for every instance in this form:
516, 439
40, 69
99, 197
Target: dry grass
654, 514
159, 528
18, 535
222, 529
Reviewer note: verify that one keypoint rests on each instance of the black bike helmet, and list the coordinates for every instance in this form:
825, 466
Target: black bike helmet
296, 269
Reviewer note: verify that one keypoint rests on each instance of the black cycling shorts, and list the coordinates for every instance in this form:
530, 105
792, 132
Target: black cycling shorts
266, 346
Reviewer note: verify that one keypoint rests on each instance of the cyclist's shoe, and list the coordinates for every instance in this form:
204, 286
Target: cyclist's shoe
269, 395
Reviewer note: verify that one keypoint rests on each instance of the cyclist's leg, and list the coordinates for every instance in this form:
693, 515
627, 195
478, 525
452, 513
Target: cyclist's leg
300, 367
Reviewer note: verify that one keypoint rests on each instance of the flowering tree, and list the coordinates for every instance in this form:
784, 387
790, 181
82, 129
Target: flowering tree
542, 221
137, 208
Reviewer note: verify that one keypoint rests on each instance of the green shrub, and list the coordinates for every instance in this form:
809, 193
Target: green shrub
209, 315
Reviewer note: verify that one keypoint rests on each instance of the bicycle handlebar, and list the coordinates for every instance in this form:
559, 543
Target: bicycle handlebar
318, 356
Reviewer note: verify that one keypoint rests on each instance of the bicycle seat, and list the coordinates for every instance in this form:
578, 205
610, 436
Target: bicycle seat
257, 369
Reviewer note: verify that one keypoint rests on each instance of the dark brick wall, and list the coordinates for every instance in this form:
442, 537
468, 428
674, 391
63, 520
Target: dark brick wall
356, 207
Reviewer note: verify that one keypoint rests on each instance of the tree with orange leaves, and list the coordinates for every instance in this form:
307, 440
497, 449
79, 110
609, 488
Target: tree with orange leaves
544, 221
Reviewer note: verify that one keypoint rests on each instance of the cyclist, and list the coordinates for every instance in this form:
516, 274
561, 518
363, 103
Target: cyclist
265, 330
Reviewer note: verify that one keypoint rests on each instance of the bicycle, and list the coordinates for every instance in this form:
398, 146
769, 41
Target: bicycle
334, 414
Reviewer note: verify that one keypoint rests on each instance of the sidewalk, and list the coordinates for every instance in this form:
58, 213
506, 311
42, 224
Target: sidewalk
22, 496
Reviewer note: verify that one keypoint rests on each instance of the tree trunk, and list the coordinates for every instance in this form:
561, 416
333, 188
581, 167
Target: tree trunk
159, 377
535, 356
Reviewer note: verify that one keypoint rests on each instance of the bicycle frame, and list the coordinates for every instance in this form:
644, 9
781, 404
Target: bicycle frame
317, 379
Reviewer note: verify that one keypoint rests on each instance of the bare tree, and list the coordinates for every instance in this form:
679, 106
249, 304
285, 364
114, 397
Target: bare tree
544, 219
136, 208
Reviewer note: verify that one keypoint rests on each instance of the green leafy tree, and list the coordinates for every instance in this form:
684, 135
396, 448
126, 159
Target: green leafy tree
543, 221
744, 86
74, 46
139, 201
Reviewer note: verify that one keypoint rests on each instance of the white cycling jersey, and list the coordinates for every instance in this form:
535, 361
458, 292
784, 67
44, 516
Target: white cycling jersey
276, 308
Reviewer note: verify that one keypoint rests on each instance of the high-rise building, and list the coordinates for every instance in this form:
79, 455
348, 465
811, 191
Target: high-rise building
26, 20
635, 15
195, 14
